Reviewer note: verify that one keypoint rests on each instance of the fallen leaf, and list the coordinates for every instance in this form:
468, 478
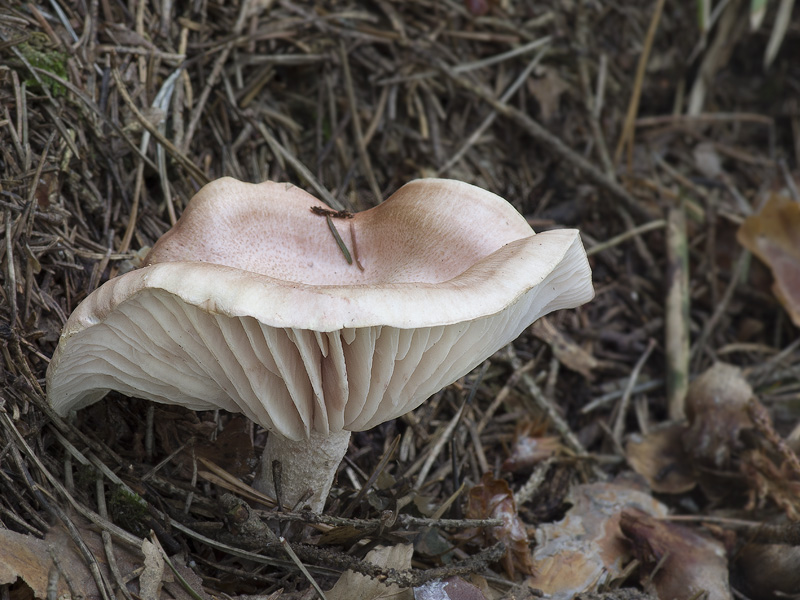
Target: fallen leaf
713, 450
774, 236
586, 548
716, 407
452, 588
493, 499
153, 574
355, 585
689, 564
671, 456
46, 189
710, 448
547, 90
342, 535
768, 571
30, 560
660, 458
531, 446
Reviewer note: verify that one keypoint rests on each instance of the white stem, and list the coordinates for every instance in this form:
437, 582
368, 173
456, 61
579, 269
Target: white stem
305, 465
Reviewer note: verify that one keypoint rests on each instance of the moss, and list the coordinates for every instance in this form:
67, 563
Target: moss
128, 511
40, 54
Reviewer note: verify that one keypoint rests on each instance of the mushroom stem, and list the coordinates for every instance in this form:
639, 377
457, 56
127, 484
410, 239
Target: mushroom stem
308, 464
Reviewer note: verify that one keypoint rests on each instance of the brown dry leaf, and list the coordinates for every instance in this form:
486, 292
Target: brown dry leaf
716, 406
774, 236
547, 90
493, 499
672, 456
452, 588
30, 559
46, 189
711, 449
569, 354
660, 458
688, 563
531, 446
342, 535
355, 585
153, 574
768, 571
586, 548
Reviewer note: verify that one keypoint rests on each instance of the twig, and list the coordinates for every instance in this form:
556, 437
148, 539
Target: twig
10, 278
370, 525
261, 536
593, 103
233, 550
622, 237
536, 479
355, 247
181, 579
622, 411
339, 240
628, 129
288, 548
108, 546
759, 532
601, 401
722, 306
405, 578
770, 365
473, 65
698, 119
677, 312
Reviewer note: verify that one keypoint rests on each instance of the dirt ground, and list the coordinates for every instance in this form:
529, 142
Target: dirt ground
642, 445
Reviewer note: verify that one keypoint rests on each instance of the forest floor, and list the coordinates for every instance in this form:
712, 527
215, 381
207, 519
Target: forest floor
642, 445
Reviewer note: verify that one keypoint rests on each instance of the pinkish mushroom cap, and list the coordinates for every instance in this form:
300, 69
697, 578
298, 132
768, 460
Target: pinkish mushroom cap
249, 305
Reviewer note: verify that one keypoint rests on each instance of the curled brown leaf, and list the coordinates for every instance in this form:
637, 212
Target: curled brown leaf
493, 499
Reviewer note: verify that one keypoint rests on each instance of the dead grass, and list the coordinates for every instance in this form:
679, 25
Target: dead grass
114, 114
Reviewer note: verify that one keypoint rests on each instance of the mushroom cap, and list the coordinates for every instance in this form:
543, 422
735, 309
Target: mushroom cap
248, 305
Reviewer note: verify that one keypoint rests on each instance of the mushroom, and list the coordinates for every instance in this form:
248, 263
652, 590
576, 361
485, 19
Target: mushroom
248, 304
